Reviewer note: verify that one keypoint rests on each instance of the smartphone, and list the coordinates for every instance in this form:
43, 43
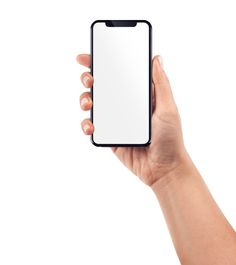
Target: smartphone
121, 66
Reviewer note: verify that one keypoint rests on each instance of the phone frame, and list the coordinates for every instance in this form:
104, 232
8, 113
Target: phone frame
125, 23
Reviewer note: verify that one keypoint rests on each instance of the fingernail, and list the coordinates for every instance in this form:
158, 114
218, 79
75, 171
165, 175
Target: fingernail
86, 128
84, 101
85, 80
160, 60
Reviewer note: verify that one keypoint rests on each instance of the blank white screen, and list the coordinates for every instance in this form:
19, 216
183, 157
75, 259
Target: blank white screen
121, 84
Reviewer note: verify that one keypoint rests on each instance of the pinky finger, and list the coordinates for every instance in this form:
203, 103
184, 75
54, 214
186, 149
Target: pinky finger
87, 127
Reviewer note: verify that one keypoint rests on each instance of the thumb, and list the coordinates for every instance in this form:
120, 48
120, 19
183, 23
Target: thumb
163, 96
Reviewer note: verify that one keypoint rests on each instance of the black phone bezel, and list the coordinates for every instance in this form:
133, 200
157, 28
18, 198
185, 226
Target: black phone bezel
124, 23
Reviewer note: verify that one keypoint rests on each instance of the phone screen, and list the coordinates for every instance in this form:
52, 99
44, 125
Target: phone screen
121, 93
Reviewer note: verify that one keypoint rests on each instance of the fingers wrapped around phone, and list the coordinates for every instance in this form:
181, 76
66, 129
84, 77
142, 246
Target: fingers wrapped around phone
87, 127
86, 101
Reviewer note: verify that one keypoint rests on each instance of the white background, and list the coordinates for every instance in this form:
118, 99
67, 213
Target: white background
64, 201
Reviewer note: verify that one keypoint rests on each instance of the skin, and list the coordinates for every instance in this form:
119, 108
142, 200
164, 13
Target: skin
200, 232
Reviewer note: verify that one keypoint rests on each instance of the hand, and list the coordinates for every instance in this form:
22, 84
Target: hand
166, 151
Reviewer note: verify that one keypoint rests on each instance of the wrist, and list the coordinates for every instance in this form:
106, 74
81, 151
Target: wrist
185, 169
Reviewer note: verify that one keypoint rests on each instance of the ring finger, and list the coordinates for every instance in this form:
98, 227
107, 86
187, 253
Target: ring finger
86, 101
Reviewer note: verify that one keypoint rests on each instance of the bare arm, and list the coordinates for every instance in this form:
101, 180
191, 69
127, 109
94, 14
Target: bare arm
200, 232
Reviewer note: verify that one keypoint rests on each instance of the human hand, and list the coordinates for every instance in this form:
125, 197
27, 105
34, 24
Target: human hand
166, 151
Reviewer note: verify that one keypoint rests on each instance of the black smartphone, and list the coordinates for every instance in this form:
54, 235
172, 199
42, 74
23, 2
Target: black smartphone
121, 54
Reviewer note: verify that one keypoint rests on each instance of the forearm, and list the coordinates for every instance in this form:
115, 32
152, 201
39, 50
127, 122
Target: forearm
200, 232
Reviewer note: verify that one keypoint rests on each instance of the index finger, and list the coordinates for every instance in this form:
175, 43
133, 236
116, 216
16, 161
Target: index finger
84, 59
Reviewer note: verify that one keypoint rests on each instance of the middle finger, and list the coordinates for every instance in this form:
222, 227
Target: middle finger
87, 79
